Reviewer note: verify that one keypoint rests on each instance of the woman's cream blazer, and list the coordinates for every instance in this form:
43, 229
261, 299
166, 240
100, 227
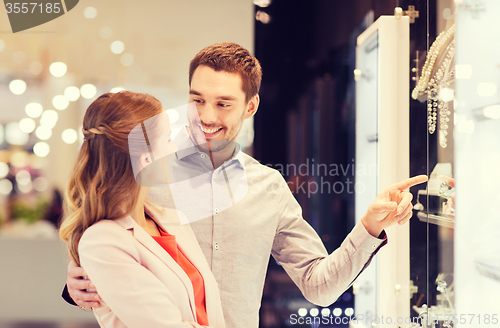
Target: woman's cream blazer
140, 284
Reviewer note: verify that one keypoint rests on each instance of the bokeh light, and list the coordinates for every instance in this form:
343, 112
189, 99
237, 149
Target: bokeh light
117, 47
49, 118
90, 12
14, 135
58, 69
60, 102
17, 87
27, 125
69, 136
33, 110
88, 91
41, 149
43, 132
72, 93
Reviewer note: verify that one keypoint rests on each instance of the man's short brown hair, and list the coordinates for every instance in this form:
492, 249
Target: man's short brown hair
232, 58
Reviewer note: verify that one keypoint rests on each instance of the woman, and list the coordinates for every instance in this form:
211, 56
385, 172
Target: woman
148, 269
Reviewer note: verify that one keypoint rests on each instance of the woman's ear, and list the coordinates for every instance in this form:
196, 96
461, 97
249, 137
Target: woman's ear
144, 160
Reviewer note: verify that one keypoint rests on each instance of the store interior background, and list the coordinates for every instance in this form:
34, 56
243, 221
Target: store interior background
307, 112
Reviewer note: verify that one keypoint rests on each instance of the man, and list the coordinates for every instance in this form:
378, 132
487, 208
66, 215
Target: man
242, 226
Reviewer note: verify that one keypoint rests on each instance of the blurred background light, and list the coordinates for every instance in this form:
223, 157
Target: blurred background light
49, 118
486, 89
4, 170
88, 91
19, 159
492, 112
40, 184
117, 89
127, 59
33, 110
14, 135
69, 136
262, 3
447, 94
90, 12
60, 102
23, 177
41, 149
36, 68
173, 115
25, 188
43, 132
5, 187
106, 32
72, 93
117, 47
314, 312
27, 125
58, 69
17, 87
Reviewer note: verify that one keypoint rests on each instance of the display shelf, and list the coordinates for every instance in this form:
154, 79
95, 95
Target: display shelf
441, 220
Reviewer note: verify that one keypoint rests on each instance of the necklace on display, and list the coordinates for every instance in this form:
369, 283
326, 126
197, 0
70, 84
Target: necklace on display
438, 88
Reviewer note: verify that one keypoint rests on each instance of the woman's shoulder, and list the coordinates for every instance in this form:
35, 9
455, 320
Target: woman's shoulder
106, 231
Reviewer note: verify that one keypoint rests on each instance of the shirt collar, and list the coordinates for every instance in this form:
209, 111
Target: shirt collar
186, 147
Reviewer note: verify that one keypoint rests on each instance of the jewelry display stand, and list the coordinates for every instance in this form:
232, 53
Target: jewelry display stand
382, 156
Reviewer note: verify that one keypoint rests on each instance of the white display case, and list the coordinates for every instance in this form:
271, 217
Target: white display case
382, 158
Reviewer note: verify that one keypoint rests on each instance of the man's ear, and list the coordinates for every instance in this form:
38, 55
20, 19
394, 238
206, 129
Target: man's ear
252, 106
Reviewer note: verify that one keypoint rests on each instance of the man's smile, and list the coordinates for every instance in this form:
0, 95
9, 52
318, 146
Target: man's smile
210, 132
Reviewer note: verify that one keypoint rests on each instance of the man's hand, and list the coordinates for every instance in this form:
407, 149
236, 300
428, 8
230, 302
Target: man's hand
392, 205
78, 283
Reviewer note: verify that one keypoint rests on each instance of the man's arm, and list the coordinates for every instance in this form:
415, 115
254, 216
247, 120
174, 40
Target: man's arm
322, 278
77, 283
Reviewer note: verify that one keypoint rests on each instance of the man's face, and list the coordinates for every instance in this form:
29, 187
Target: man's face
221, 105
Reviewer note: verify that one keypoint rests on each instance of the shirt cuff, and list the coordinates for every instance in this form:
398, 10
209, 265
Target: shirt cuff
366, 242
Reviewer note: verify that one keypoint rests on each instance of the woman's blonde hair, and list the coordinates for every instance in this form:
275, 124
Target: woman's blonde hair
102, 184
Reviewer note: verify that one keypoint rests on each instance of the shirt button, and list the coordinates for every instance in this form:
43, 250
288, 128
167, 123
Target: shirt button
216, 246
374, 246
202, 155
216, 211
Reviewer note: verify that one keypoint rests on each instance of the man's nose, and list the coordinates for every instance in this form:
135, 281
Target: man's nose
208, 114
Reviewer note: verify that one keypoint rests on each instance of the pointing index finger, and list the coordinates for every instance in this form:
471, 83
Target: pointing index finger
405, 184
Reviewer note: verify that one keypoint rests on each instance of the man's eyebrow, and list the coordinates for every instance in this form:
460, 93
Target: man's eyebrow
230, 98
194, 92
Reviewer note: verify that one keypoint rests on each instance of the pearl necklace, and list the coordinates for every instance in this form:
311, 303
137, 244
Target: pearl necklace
432, 55
444, 77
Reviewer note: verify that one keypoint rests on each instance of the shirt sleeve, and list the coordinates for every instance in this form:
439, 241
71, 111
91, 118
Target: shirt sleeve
132, 292
321, 277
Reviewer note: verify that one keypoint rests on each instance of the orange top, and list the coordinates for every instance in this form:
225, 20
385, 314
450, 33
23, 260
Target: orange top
168, 243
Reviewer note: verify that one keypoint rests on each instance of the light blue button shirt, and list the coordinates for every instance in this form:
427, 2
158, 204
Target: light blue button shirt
199, 190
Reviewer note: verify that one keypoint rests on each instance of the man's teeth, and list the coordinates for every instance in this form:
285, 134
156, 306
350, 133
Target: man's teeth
210, 130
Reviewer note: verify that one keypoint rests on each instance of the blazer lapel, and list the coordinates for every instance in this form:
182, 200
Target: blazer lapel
188, 244
147, 241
